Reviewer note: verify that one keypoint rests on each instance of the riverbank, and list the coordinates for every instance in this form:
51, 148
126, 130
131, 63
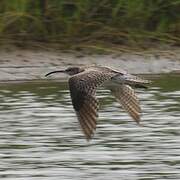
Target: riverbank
17, 64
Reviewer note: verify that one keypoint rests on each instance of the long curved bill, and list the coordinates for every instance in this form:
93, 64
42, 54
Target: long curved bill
52, 72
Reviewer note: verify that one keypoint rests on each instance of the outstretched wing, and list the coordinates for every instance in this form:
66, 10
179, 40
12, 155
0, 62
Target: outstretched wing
83, 90
127, 97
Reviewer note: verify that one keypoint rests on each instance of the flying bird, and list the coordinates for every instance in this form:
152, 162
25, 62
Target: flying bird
83, 83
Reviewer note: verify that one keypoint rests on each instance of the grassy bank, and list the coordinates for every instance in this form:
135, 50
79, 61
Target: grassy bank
91, 23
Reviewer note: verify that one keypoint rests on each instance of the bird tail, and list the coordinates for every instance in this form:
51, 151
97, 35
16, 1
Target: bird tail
130, 80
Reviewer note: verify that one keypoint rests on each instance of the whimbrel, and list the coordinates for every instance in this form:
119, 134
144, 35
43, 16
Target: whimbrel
83, 83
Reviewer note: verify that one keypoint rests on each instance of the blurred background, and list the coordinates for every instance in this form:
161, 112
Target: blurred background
85, 23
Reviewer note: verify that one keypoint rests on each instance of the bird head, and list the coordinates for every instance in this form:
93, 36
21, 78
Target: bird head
70, 71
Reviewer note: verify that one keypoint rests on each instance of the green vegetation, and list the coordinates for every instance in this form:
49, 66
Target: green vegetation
91, 23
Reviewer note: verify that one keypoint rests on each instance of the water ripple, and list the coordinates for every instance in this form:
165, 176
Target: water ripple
40, 137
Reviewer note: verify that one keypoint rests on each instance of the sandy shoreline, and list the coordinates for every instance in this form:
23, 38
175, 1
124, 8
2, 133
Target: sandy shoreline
32, 64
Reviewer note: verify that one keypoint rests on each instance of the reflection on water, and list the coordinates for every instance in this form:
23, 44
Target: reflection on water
40, 136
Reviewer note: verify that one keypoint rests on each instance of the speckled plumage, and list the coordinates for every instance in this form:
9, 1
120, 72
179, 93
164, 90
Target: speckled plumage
83, 84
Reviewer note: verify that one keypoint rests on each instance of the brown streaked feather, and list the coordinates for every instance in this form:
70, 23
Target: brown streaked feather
83, 90
87, 117
127, 97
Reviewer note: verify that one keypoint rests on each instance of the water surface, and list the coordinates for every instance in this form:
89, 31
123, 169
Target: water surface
40, 137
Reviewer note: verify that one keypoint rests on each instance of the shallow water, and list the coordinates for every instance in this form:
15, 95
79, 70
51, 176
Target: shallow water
40, 137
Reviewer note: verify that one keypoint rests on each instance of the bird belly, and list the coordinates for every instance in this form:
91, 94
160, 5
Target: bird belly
128, 79
110, 84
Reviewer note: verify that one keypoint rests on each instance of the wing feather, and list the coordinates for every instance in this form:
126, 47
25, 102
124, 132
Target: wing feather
127, 97
88, 116
83, 94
